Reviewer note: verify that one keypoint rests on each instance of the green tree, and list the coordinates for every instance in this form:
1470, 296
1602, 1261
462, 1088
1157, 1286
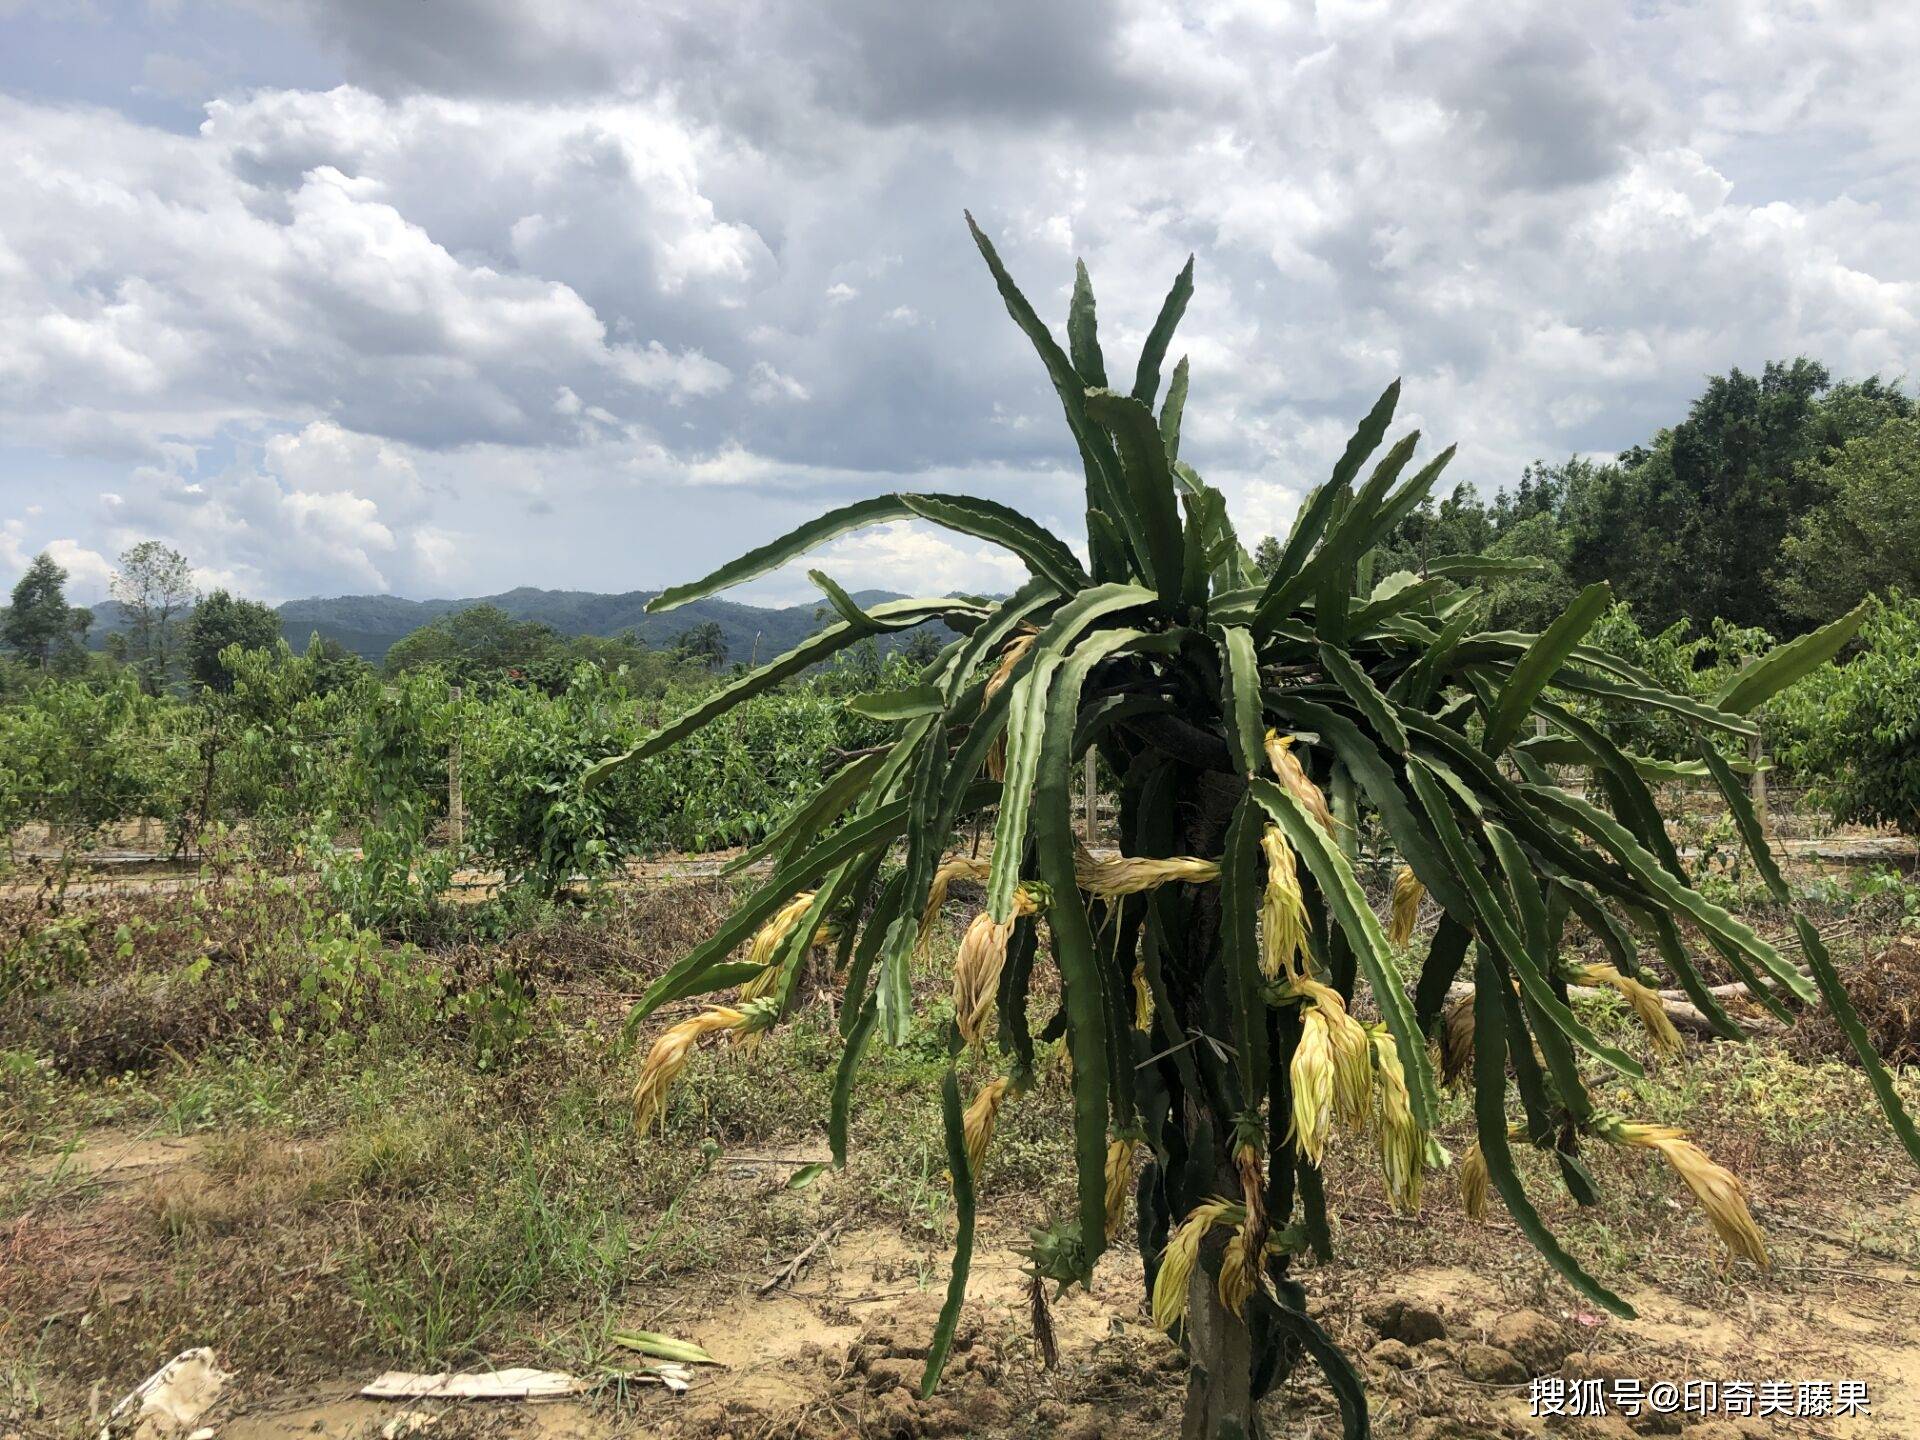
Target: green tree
705, 643
922, 647
154, 584
220, 620
1266, 554
1458, 525
1863, 742
647, 672
1531, 600
39, 626
480, 643
1856, 408
1258, 728
1864, 537
335, 668
1686, 527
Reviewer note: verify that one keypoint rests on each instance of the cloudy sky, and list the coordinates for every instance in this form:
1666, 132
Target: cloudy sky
448, 296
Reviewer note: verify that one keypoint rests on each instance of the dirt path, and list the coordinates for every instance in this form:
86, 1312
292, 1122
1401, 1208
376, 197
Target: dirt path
137, 872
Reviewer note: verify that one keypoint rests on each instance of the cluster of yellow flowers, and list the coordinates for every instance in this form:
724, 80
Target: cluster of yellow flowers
1239, 1263
1183, 1253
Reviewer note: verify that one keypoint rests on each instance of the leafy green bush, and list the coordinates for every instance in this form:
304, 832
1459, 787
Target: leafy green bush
1862, 722
729, 784
529, 813
273, 744
393, 793
82, 758
1698, 666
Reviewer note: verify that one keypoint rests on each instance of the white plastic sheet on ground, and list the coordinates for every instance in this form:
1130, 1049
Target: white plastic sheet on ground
515, 1384
165, 1404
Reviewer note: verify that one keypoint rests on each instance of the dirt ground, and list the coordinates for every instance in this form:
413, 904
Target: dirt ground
839, 1349
325, 1196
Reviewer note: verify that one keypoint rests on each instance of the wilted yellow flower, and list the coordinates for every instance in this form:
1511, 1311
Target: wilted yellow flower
1646, 1003
1293, 779
768, 939
1283, 911
1181, 1255
1312, 1076
1456, 1039
976, 974
1130, 874
976, 1125
1717, 1189
672, 1051
959, 867
1239, 1270
1010, 656
1352, 1052
1119, 1181
978, 963
1473, 1182
1408, 892
1253, 1183
1402, 1144
766, 943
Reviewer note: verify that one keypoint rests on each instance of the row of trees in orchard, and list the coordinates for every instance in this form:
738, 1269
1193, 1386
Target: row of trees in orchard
1783, 501
202, 727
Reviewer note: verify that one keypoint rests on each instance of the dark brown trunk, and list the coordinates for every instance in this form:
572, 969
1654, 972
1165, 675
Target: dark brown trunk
1220, 1400
1220, 1403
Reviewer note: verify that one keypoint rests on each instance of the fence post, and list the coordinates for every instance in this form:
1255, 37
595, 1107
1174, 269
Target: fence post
1091, 796
456, 808
1757, 782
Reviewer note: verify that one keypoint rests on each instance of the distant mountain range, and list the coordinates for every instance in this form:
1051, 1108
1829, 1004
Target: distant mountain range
368, 625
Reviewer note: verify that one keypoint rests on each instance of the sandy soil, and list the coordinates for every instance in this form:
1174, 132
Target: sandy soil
839, 1349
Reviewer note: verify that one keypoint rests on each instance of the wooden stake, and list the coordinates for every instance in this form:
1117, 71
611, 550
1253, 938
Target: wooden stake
456, 808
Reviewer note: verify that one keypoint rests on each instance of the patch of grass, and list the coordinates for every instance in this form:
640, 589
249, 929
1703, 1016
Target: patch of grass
395, 1154
22, 1391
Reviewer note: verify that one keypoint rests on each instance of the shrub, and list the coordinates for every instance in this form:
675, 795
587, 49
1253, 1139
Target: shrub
1862, 722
